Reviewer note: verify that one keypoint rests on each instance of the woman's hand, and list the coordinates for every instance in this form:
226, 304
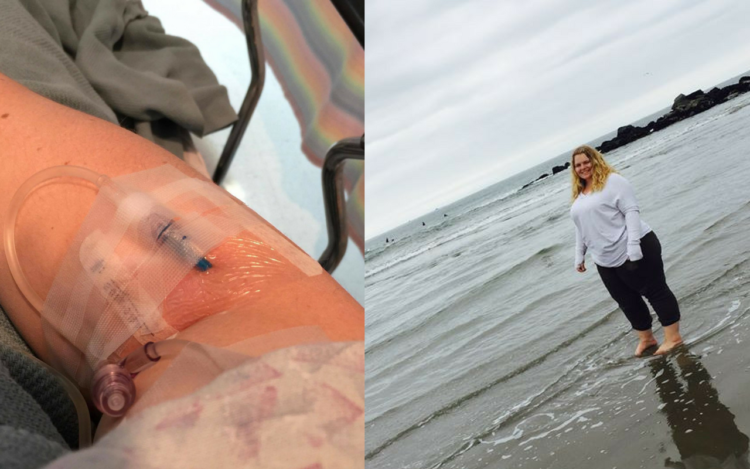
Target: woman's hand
634, 252
581, 267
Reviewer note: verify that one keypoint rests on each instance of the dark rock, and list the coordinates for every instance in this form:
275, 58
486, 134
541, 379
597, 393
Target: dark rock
696, 99
624, 131
535, 180
701, 102
559, 168
719, 95
682, 108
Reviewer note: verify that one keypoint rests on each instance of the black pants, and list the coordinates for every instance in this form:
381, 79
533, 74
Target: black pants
630, 282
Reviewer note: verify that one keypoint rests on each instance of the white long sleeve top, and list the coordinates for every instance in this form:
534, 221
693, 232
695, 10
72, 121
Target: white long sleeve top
608, 224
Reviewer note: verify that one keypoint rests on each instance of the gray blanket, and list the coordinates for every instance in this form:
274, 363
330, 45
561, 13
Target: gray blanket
108, 58
38, 422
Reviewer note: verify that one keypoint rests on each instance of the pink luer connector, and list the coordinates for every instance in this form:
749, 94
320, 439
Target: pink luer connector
112, 387
113, 390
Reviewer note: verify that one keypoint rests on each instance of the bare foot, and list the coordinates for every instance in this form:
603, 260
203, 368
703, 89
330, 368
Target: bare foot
644, 344
672, 339
646, 340
667, 347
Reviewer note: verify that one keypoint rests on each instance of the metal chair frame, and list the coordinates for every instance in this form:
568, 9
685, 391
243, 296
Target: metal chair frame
352, 11
251, 22
335, 200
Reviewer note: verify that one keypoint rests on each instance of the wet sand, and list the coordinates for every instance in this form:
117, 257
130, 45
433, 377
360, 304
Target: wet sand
686, 410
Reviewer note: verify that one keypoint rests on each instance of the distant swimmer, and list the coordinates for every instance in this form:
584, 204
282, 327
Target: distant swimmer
626, 251
386, 240
423, 224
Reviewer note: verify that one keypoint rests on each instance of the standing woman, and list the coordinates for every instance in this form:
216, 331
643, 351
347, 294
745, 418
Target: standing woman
626, 252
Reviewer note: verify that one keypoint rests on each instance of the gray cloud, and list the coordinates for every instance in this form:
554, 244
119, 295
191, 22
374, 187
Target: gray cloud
463, 94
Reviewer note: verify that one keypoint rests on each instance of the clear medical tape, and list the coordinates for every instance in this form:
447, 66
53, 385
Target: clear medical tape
143, 234
9, 233
34, 182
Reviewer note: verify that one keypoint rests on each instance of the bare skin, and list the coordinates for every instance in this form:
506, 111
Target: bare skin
36, 133
584, 169
672, 339
646, 340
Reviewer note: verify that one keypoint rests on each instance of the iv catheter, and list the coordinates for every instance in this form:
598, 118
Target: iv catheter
113, 390
168, 236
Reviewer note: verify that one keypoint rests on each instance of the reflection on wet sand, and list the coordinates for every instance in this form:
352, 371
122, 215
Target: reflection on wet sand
703, 429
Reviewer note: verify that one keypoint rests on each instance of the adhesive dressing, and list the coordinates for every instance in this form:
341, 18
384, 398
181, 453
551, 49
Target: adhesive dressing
297, 407
157, 252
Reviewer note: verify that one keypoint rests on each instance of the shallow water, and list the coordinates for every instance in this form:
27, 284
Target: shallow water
485, 348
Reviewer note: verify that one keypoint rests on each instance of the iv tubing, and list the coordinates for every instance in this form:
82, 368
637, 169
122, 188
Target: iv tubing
143, 357
84, 418
136, 361
9, 234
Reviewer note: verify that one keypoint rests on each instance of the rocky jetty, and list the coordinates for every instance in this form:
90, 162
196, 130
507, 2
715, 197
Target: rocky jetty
562, 167
535, 180
682, 108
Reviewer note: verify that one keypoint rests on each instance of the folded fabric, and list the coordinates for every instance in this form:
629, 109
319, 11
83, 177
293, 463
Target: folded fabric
108, 58
9, 336
38, 422
47, 392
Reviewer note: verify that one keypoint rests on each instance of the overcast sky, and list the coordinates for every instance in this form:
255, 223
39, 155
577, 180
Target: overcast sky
461, 94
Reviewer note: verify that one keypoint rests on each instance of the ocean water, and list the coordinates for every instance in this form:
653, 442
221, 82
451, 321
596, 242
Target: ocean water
484, 347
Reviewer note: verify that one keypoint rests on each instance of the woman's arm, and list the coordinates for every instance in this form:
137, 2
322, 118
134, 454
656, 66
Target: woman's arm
36, 133
628, 205
580, 249
633, 226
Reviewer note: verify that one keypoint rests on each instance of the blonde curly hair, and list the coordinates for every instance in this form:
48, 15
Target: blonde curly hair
599, 168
